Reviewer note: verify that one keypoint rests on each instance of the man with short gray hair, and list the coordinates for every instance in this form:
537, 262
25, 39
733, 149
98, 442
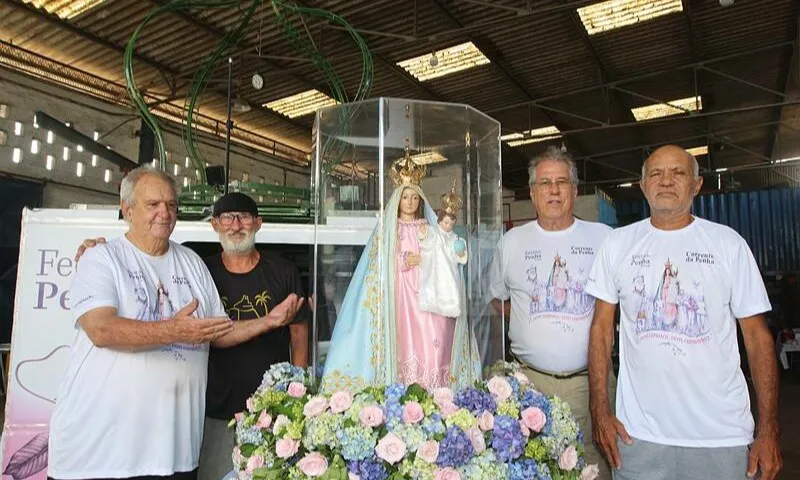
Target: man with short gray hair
542, 268
131, 402
682, 283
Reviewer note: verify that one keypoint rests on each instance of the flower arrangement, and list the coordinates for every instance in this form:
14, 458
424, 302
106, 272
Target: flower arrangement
501, 428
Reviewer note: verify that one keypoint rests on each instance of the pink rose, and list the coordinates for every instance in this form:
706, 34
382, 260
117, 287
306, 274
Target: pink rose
296, 389
476, 438
250, 404
315, 407
534, 419
286, 447
523, 379
280, 422
590, 472
256, 461
568, 459
371, 416
486, 421
264, 420
526, 432
391, 448
412, 412
341, 401
238, 416
446, 474
500, 388
313, 464
442, 396
429, 451
237, 457
448, 409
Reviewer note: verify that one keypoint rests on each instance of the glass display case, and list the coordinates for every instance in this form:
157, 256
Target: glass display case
412, 302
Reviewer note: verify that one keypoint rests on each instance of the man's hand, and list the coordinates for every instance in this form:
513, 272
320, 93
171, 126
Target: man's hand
87, 244
188, 329
765, 455
284, 312
605, 428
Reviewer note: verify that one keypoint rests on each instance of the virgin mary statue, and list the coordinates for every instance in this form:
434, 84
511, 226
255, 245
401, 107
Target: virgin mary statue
381, 335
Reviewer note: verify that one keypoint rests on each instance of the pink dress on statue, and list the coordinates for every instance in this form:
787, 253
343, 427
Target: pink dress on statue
424, 340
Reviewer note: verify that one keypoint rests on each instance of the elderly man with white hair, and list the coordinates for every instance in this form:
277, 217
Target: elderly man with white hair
132, 399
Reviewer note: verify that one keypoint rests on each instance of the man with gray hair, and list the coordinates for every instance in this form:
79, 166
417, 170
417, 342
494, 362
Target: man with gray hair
683, 407
132, 401
132, 398
542, 268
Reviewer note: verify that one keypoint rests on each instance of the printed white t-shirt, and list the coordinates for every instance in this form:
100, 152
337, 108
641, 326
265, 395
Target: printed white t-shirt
124, 413
681, 292
544, 273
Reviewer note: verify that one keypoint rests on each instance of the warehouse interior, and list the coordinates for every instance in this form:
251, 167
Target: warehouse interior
720, 78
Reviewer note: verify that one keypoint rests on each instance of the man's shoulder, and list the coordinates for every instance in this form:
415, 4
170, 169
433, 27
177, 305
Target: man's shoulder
718, 230
275, 260
584, 227
521, 232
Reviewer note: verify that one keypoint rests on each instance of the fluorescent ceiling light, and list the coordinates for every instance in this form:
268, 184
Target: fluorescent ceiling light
427, 158
672, 107
301, 104
531, 136
784, 160
65, 9
625, 185
444, 62
612, 14
698, 151
720, 170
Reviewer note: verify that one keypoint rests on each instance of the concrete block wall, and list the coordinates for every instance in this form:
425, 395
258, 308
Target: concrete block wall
99, 183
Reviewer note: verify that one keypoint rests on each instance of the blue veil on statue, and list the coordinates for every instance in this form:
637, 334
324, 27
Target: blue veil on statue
364, 346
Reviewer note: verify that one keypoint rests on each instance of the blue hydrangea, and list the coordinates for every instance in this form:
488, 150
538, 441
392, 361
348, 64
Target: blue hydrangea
476, 401
515, 386
358, 443
369, 469
392, 414
507, 440
433, 425
455, 449
543, 472
522, 470
250, 435
394, 391
532, 398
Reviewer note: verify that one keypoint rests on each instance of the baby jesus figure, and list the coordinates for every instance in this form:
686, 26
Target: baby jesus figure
441, 252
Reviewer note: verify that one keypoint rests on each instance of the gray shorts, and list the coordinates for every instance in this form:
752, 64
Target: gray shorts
652, 461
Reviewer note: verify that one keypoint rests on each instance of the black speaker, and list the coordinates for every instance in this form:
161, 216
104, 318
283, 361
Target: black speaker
215, 175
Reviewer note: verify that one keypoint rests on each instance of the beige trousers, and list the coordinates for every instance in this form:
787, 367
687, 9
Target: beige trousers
575, 391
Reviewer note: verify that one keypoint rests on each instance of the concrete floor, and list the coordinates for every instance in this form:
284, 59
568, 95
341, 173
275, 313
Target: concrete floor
789, 417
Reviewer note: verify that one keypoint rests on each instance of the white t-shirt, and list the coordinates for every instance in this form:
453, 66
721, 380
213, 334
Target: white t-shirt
681, 292
544, 274
123, 413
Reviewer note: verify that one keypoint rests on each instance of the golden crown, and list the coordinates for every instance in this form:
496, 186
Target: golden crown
405, 171
450, 201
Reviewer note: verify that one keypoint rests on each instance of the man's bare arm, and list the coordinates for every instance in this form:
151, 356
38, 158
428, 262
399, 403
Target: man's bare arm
299, 340
245, 330
765, 452
106, 329
501, 306
605, 425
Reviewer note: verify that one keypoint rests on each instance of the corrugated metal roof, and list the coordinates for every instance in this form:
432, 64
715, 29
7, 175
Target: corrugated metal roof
542, 55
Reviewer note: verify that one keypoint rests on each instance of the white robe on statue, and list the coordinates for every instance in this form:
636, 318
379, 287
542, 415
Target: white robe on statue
440, 279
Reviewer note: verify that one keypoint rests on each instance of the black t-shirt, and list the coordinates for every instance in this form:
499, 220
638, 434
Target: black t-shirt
235, 373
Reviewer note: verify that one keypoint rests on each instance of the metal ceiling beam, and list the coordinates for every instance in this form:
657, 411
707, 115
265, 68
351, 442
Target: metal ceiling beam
58, 22
501, 67
792, 66
643, 76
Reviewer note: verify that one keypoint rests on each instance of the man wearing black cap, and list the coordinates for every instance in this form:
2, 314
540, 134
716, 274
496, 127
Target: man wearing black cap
250, 284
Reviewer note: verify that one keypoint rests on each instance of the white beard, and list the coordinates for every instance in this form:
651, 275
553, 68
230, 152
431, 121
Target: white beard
244, 245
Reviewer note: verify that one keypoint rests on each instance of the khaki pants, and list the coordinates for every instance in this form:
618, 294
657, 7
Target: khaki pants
575, 391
